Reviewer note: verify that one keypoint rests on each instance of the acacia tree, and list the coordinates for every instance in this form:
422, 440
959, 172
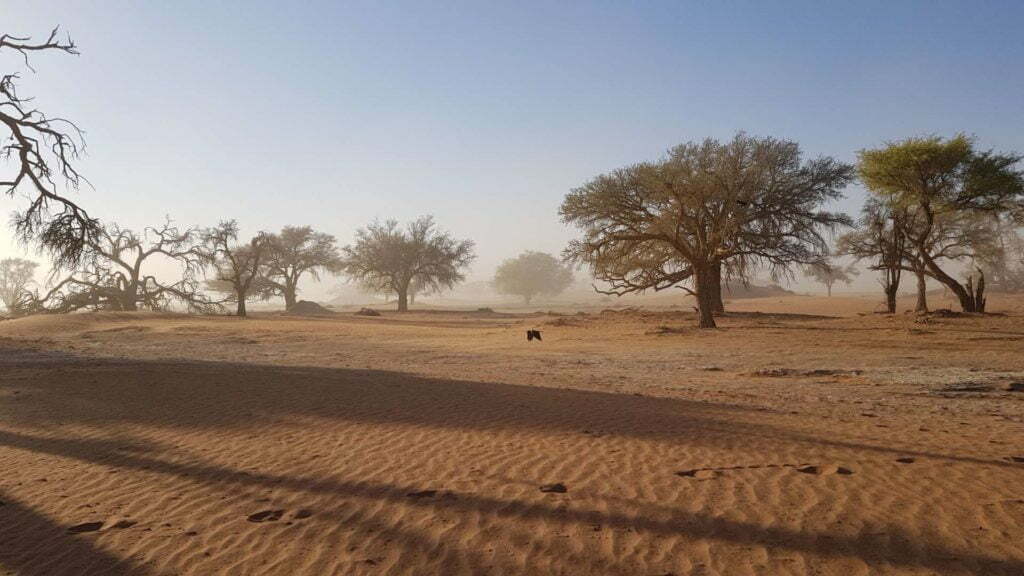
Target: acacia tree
706, 205
295, 251
16, 277
879, 240
532, 274
116, 274
828, 273
41, 151
943, 187
237, 267
386, 258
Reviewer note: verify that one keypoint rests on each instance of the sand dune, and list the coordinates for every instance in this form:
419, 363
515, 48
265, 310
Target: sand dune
818, 442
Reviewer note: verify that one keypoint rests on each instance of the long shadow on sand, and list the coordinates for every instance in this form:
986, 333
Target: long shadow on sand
57, 388
896, 548
23, 532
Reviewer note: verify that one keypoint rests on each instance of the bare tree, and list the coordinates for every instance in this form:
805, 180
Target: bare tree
708, 205
238, 267
42, 149
828, 273
115, 273
385, 258
532, 274
16, 277
295, 251
944, 187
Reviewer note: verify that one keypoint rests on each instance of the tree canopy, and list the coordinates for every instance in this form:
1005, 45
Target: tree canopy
387, 258
16, 276
117, 273
943, 189
749, 201
296, 251
532, 274
237, 266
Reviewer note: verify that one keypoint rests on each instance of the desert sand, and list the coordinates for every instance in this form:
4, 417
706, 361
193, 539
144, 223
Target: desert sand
806, 435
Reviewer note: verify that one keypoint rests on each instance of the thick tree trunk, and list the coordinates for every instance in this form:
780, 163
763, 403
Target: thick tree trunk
703, 280
290, 297
717, 305
891, 286
240, 309
964, 295
828, 289
403, 300
922, 293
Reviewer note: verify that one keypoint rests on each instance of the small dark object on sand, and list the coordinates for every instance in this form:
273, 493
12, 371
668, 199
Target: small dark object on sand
367, 312
86, 527
266, 516
556, 488
531, 334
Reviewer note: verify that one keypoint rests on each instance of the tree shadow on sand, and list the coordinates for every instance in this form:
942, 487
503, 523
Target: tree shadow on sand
57, 388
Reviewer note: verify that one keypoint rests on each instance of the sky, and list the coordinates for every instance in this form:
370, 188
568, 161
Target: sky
486, 114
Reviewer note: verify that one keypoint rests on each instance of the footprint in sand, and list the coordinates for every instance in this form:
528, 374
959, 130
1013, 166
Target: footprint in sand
556, 488
827, 470
266, 516
698, 474
303, 514
905, 460
85, 527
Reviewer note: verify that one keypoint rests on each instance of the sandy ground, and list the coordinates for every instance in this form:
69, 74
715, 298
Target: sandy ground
805, 436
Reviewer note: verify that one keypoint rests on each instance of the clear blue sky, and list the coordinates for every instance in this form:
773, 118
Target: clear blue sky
331, 114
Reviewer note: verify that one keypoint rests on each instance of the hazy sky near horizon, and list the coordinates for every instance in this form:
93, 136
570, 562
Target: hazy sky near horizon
486, 114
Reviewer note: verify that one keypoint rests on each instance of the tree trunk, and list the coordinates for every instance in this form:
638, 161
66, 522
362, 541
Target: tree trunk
403, 300
704, 282
717, 305
828, 289
922, 293
966, 296
240, 309
290, 296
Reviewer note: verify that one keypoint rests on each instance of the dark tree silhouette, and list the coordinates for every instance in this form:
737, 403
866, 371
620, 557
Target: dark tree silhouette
388, 259
115, 273
237, 267
41, 150
707, 205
